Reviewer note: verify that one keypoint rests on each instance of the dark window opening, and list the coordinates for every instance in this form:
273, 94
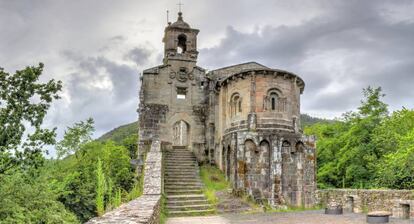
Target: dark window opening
236, 105
273, 101
181, 93
182, 44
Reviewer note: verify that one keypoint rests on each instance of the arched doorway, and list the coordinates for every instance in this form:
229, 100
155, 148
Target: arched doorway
181, 133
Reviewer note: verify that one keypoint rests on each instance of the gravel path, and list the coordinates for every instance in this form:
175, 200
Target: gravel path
306, 217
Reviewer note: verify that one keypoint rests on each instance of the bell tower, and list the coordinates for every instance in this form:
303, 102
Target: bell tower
180, 42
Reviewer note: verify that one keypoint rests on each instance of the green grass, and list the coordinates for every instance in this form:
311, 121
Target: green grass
214, 180
163, 212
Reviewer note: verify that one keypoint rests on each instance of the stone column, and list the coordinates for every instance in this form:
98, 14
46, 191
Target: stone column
276, 171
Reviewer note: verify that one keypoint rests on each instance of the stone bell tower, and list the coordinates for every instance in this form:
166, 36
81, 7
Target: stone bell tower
173, 95
180, 42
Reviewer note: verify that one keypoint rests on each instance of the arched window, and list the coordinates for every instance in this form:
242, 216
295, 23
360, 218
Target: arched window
182, 44
272, 100
235, 105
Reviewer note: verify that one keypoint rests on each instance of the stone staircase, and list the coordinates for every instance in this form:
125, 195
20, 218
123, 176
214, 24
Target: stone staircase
182, 184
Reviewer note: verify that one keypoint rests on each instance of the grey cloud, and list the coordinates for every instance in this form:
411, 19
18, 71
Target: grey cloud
138, 55
101, 89
350, 43
358, 36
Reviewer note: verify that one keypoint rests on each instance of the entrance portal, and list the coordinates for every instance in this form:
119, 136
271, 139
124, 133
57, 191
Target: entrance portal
405, 211
350, 204
181, 133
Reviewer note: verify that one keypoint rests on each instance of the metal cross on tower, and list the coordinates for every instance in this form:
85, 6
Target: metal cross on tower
179, 6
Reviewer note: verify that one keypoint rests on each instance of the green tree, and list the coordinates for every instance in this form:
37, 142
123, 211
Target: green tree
76, 178
24, 102
24, 199
395, 140
75, 137
131, 143
347, 153
100, 189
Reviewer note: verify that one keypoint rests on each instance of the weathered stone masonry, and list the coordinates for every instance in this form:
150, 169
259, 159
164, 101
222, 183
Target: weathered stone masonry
243, 118
399, 202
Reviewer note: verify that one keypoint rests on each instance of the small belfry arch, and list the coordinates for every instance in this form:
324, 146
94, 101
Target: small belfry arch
182, 44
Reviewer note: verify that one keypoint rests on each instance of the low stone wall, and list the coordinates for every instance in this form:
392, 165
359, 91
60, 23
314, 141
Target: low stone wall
145, 209
399, 202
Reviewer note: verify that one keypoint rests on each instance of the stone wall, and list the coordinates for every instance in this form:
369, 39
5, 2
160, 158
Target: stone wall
145, 209
399, 202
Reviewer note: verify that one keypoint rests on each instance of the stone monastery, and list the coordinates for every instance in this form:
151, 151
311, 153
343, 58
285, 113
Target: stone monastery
243, 118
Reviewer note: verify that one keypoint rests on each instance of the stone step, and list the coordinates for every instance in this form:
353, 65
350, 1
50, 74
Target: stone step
183, 191
173, 180
185, 197
181, 178
179, 147
177, 165
181, 171
176, 162
187, 202
180, 158
190, 154
171, 208
191, 212
193, 175
180, 166
177, 152
188, 183
178, 170
180, 161
180, 153
188, 187
182, 185
171, 174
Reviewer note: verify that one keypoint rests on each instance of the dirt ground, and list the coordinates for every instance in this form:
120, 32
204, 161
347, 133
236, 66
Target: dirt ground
305, 217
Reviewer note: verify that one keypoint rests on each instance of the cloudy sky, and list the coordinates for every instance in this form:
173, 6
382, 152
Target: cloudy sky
98, 48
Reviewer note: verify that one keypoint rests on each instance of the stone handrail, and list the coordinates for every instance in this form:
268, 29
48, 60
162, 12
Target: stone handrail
145, 209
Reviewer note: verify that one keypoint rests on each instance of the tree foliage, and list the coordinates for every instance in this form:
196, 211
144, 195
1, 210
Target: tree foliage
366, 148
25, 199
100, 189
75, 137
24, 102
34, 189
